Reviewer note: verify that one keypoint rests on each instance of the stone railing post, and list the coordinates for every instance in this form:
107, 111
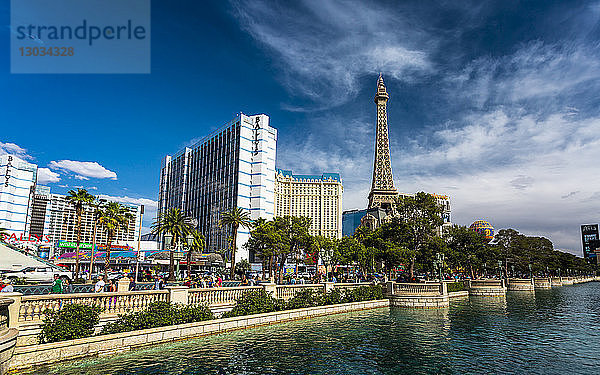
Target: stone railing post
270, 288
328, 286
178, 294
13, 309
443, 288
389, 287
123, 284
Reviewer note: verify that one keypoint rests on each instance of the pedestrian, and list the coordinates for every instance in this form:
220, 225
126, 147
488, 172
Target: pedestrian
219, 281
56, 285
99, 287
112, 287
66, 286
159, 283
131, 283
187, 282
7, 286
244, 281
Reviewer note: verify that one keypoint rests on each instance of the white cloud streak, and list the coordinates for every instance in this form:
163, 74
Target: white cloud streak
45, 176
83, 170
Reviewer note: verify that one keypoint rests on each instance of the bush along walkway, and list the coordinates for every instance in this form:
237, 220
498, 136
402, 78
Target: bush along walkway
78, 321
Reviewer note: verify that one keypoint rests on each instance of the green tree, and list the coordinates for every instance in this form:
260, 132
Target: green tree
79, 199
97, 213
422, 216
235, 218
113, 217
175, 222
294, 236
467, 249
264, 242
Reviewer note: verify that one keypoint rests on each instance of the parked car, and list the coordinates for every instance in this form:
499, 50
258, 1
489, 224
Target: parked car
38, 274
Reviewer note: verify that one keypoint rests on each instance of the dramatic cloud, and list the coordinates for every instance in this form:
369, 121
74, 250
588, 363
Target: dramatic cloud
45, 176
511, 135
13, 149
83, 169
324, 48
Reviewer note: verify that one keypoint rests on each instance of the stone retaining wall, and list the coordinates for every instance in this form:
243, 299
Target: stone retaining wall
520, 284
36, 355
423, 302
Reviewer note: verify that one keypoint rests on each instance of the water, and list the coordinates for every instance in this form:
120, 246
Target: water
553, 331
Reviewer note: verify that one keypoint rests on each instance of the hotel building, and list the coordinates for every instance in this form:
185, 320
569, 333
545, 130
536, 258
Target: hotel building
54, 221
232, 167
318, 197
17, 184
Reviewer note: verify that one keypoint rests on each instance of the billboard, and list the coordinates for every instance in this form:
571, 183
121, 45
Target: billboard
589, 238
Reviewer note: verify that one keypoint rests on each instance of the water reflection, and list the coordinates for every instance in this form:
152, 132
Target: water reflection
552, 331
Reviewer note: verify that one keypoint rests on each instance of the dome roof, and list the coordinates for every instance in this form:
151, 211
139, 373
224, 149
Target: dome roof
483, 227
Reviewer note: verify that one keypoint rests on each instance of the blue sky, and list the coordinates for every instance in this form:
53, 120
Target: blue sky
494, 103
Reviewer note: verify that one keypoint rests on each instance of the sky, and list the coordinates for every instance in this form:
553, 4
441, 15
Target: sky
496, 104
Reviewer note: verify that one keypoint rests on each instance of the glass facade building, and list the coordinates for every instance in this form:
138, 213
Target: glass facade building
232, 167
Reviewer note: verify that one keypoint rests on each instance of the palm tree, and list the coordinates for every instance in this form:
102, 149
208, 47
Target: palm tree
79, 199
198, 245
112, 217
96, 206
175, 222
237, 217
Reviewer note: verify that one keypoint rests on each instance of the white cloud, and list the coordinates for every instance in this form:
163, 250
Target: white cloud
324, 48
14, 149
78, 177
83, 169
45, 175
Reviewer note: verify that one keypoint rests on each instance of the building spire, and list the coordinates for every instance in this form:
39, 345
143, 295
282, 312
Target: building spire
383, 193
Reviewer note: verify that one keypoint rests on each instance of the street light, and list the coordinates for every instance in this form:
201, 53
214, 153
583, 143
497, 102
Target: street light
530, 274
500, 269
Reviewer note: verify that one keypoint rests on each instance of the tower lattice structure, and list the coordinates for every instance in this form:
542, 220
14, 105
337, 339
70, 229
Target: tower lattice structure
383, 193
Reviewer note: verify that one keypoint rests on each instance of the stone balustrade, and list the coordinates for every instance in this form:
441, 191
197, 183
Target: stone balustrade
417, 289
417, 295
33, 307
285, 292
217, 296
556, 281
349, 286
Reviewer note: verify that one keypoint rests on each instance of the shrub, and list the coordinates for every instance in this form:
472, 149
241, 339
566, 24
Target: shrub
336, 296
158, 314
305, 298
72, 322
456, 286
255, 302
363, 293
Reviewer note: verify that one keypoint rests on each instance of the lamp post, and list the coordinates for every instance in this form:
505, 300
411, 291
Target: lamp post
512, 267
500, 269
189, 239
168, 239
530, 274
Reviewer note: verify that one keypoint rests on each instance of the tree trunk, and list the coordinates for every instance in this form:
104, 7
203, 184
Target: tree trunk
412, 267
93, 250
107, 260
233, 248
172, 261
77, 247
271, 268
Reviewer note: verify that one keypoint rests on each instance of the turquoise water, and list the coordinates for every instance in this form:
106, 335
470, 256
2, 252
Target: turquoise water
554, 331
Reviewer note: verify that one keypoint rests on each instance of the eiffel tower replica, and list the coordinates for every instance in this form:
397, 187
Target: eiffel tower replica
383, 193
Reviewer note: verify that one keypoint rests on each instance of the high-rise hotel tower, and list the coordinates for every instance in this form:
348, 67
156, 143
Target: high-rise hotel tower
232, 167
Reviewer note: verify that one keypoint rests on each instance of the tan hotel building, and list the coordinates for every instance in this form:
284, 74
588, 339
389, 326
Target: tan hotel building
318, 197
